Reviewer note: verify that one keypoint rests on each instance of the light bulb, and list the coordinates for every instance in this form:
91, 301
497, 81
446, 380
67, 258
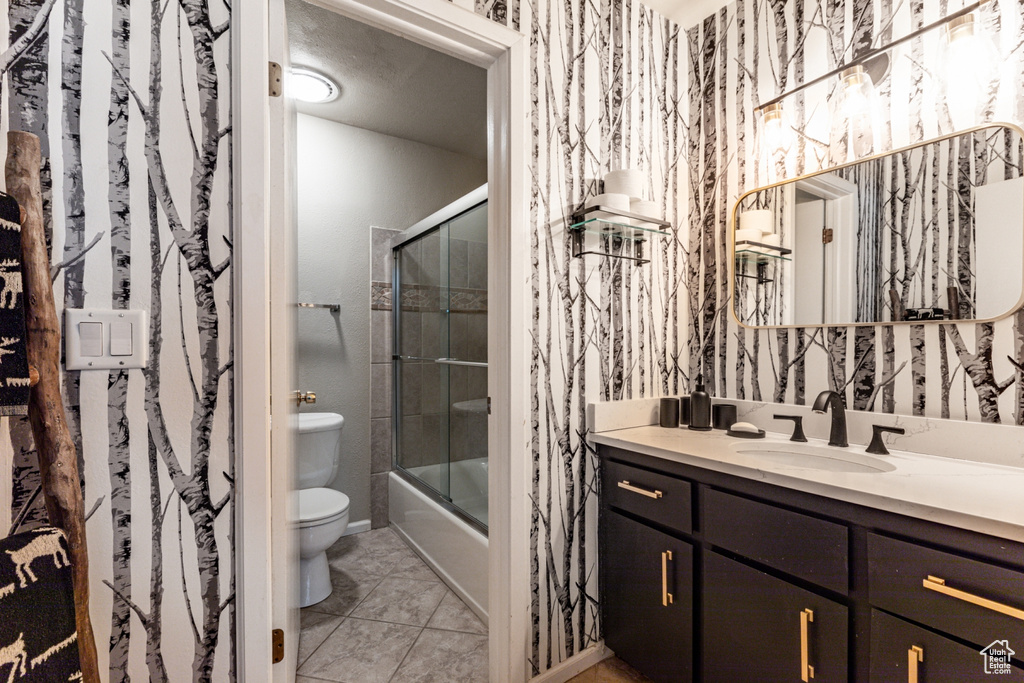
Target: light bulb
309, 86
776, 140
968, 68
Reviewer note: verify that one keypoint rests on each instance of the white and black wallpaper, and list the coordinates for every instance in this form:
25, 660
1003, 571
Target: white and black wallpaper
616, 85
131, 103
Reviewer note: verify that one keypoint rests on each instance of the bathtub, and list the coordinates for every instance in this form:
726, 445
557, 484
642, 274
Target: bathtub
452, 547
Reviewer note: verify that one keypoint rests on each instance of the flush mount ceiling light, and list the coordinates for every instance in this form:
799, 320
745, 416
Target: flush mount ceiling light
309, 86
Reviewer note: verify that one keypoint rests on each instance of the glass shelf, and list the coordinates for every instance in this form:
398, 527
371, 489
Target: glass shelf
615, 223
610, 228
751, 256
760, 252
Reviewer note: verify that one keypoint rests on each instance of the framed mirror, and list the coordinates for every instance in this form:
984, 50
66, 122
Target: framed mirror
930, 232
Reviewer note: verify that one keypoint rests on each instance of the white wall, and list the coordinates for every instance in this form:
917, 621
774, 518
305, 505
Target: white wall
350, 179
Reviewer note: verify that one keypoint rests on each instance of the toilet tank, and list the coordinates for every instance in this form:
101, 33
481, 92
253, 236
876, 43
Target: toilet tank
318, 448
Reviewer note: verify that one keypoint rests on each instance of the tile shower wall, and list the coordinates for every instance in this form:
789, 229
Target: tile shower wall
380, 374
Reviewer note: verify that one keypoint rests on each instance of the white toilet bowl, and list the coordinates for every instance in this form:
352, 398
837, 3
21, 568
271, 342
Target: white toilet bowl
323, 518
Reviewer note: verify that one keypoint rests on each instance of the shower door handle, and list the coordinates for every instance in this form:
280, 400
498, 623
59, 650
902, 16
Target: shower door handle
453, 361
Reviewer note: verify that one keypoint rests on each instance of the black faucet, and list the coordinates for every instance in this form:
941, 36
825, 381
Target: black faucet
832, 400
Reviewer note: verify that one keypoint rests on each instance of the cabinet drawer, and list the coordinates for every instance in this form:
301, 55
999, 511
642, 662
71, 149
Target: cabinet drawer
761, 628
978, 602
656, 497
805, 547
901, 651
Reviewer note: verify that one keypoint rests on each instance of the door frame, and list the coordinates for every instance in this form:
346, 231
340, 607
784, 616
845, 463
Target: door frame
504, 53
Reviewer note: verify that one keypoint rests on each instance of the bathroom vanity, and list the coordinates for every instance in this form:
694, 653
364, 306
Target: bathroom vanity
720, 564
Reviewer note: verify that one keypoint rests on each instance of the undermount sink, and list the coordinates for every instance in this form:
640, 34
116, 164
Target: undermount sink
811, 457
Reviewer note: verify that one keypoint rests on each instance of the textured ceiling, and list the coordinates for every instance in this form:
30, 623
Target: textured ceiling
389, 84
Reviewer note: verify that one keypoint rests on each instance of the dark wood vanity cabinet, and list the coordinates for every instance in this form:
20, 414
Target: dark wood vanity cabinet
758, 627
648, 598
772, 584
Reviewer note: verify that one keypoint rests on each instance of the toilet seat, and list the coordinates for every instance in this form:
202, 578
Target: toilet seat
319, 506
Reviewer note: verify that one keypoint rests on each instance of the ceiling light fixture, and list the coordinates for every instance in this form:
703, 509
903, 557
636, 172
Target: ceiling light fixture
309, 86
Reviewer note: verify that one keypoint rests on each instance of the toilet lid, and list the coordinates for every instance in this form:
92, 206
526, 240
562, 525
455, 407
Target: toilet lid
321, 503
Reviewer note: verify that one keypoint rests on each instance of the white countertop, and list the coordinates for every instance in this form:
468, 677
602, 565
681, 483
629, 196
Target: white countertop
983, 497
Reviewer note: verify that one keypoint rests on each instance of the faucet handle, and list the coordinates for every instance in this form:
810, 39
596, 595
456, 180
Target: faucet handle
798, 426
877, 445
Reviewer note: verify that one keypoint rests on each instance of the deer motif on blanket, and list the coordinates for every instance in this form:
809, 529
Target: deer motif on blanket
5, 343
15, 655
47, 545
10, 273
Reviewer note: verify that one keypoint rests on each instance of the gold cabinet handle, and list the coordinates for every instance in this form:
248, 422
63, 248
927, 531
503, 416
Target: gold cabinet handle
666, 597
806, 670
938, 585
914, 655
636, 489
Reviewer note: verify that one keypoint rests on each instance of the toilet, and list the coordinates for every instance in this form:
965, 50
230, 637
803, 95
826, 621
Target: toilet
323, 512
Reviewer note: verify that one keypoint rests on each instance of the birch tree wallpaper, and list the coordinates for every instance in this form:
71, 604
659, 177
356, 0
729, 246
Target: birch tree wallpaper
753, 50
615, 85
131, 103
607, 92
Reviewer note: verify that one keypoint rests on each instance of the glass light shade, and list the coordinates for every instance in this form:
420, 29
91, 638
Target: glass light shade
855, 115
967, 71
309, 86
775, 139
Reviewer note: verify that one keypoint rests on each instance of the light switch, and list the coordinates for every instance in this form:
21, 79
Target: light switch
104, 339
120, 339
92, 338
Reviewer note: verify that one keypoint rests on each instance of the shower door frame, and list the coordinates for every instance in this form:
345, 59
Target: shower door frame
433, 222
260, 183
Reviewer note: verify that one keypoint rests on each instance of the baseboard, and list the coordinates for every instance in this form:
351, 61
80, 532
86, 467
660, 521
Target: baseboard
574, 665
357, 527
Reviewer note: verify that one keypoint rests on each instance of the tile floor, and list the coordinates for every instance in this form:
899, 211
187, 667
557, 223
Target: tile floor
389, 619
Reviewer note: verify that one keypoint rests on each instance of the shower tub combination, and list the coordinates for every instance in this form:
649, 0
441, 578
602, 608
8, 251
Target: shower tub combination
438, 485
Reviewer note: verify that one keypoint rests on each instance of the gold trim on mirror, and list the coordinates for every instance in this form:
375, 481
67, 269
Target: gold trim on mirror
730, 266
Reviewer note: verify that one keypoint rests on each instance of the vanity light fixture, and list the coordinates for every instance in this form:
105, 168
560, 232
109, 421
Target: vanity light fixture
968, 64
959, 26
309, 86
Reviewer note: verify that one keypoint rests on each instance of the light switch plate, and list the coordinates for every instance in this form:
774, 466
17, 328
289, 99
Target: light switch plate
124, 342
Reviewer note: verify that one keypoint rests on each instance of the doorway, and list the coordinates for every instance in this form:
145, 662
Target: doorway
260, 191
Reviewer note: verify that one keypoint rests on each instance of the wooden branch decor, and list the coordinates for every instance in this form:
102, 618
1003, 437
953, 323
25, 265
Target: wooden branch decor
58, 462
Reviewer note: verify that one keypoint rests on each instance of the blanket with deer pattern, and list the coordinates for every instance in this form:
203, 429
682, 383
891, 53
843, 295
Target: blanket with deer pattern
38, 640
13, 360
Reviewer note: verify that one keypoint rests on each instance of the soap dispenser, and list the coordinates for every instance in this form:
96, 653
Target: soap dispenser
700, 407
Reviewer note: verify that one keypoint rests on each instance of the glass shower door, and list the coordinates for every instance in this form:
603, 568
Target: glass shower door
440, 363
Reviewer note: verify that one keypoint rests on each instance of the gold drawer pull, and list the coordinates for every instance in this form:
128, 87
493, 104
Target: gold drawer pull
636, 489
666, 597
914, 655
806, 670
939, 586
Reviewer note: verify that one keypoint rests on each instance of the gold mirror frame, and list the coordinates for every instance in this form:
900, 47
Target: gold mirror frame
731, 266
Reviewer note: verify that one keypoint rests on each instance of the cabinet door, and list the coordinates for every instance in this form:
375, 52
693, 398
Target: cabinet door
760, 628
903, 652
647, 593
